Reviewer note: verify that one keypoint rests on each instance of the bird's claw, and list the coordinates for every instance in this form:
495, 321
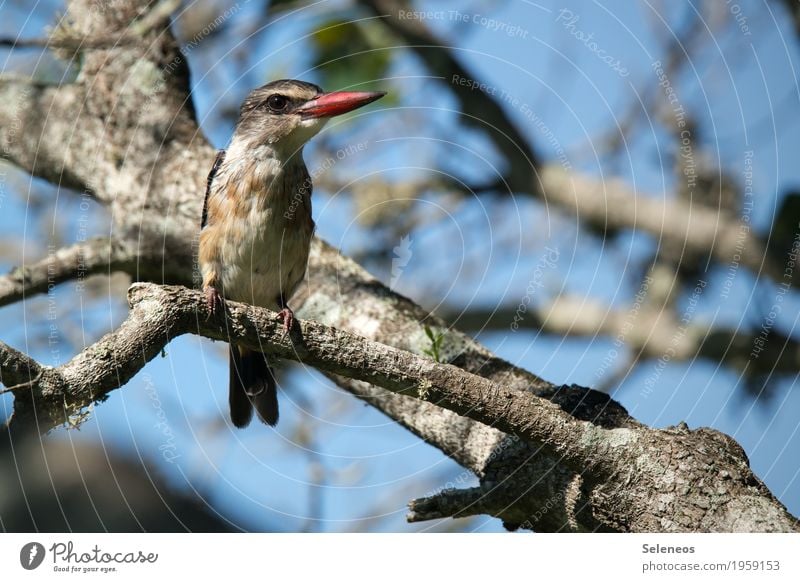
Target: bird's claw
287, 315
214, 301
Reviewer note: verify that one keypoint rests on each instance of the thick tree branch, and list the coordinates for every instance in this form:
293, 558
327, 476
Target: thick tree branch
522, 477
624, 463
43, 145
520, 484
161, 313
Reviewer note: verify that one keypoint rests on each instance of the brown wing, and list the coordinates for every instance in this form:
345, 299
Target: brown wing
217, 163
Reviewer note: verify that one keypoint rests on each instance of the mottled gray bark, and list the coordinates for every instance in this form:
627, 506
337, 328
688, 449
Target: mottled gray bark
125, 132
635, 478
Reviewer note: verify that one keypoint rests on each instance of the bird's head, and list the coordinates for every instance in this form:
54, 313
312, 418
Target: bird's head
287, 113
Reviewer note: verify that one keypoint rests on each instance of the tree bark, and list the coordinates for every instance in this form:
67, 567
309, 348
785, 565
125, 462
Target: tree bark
635, 478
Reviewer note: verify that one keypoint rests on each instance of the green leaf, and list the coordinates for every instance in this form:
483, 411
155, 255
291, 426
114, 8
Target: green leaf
434, 352
429, 333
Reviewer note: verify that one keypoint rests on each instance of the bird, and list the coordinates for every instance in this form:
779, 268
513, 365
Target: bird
257, 226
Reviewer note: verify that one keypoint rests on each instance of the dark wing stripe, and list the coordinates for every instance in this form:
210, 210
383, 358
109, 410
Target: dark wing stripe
217, 163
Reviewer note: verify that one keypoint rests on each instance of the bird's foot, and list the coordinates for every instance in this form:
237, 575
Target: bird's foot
287, 315
214, 301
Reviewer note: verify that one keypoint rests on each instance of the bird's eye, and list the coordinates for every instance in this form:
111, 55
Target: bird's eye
277, 102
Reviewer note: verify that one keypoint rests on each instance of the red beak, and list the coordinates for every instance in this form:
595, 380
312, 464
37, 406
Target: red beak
330, 104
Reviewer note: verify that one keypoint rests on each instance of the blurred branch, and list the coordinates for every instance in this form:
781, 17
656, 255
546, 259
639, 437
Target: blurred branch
80, 485
628, 464
604, 204
98, 255
479, 109
677, 50
156, 15
696, 229
68, 42
648, 330
793, 7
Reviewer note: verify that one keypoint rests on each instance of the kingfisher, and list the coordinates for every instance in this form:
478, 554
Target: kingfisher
257, 226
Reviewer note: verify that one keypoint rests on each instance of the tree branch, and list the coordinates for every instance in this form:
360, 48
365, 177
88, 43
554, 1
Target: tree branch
526, 475
648, 331
68, 43
607, 459
17, 369
161, 313
94, 256
155, 17
43, 145
520, 483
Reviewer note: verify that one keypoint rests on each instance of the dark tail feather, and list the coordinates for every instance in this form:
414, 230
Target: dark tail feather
251, 385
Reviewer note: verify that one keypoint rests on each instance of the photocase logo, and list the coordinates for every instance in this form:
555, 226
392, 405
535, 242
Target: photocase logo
31, 555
